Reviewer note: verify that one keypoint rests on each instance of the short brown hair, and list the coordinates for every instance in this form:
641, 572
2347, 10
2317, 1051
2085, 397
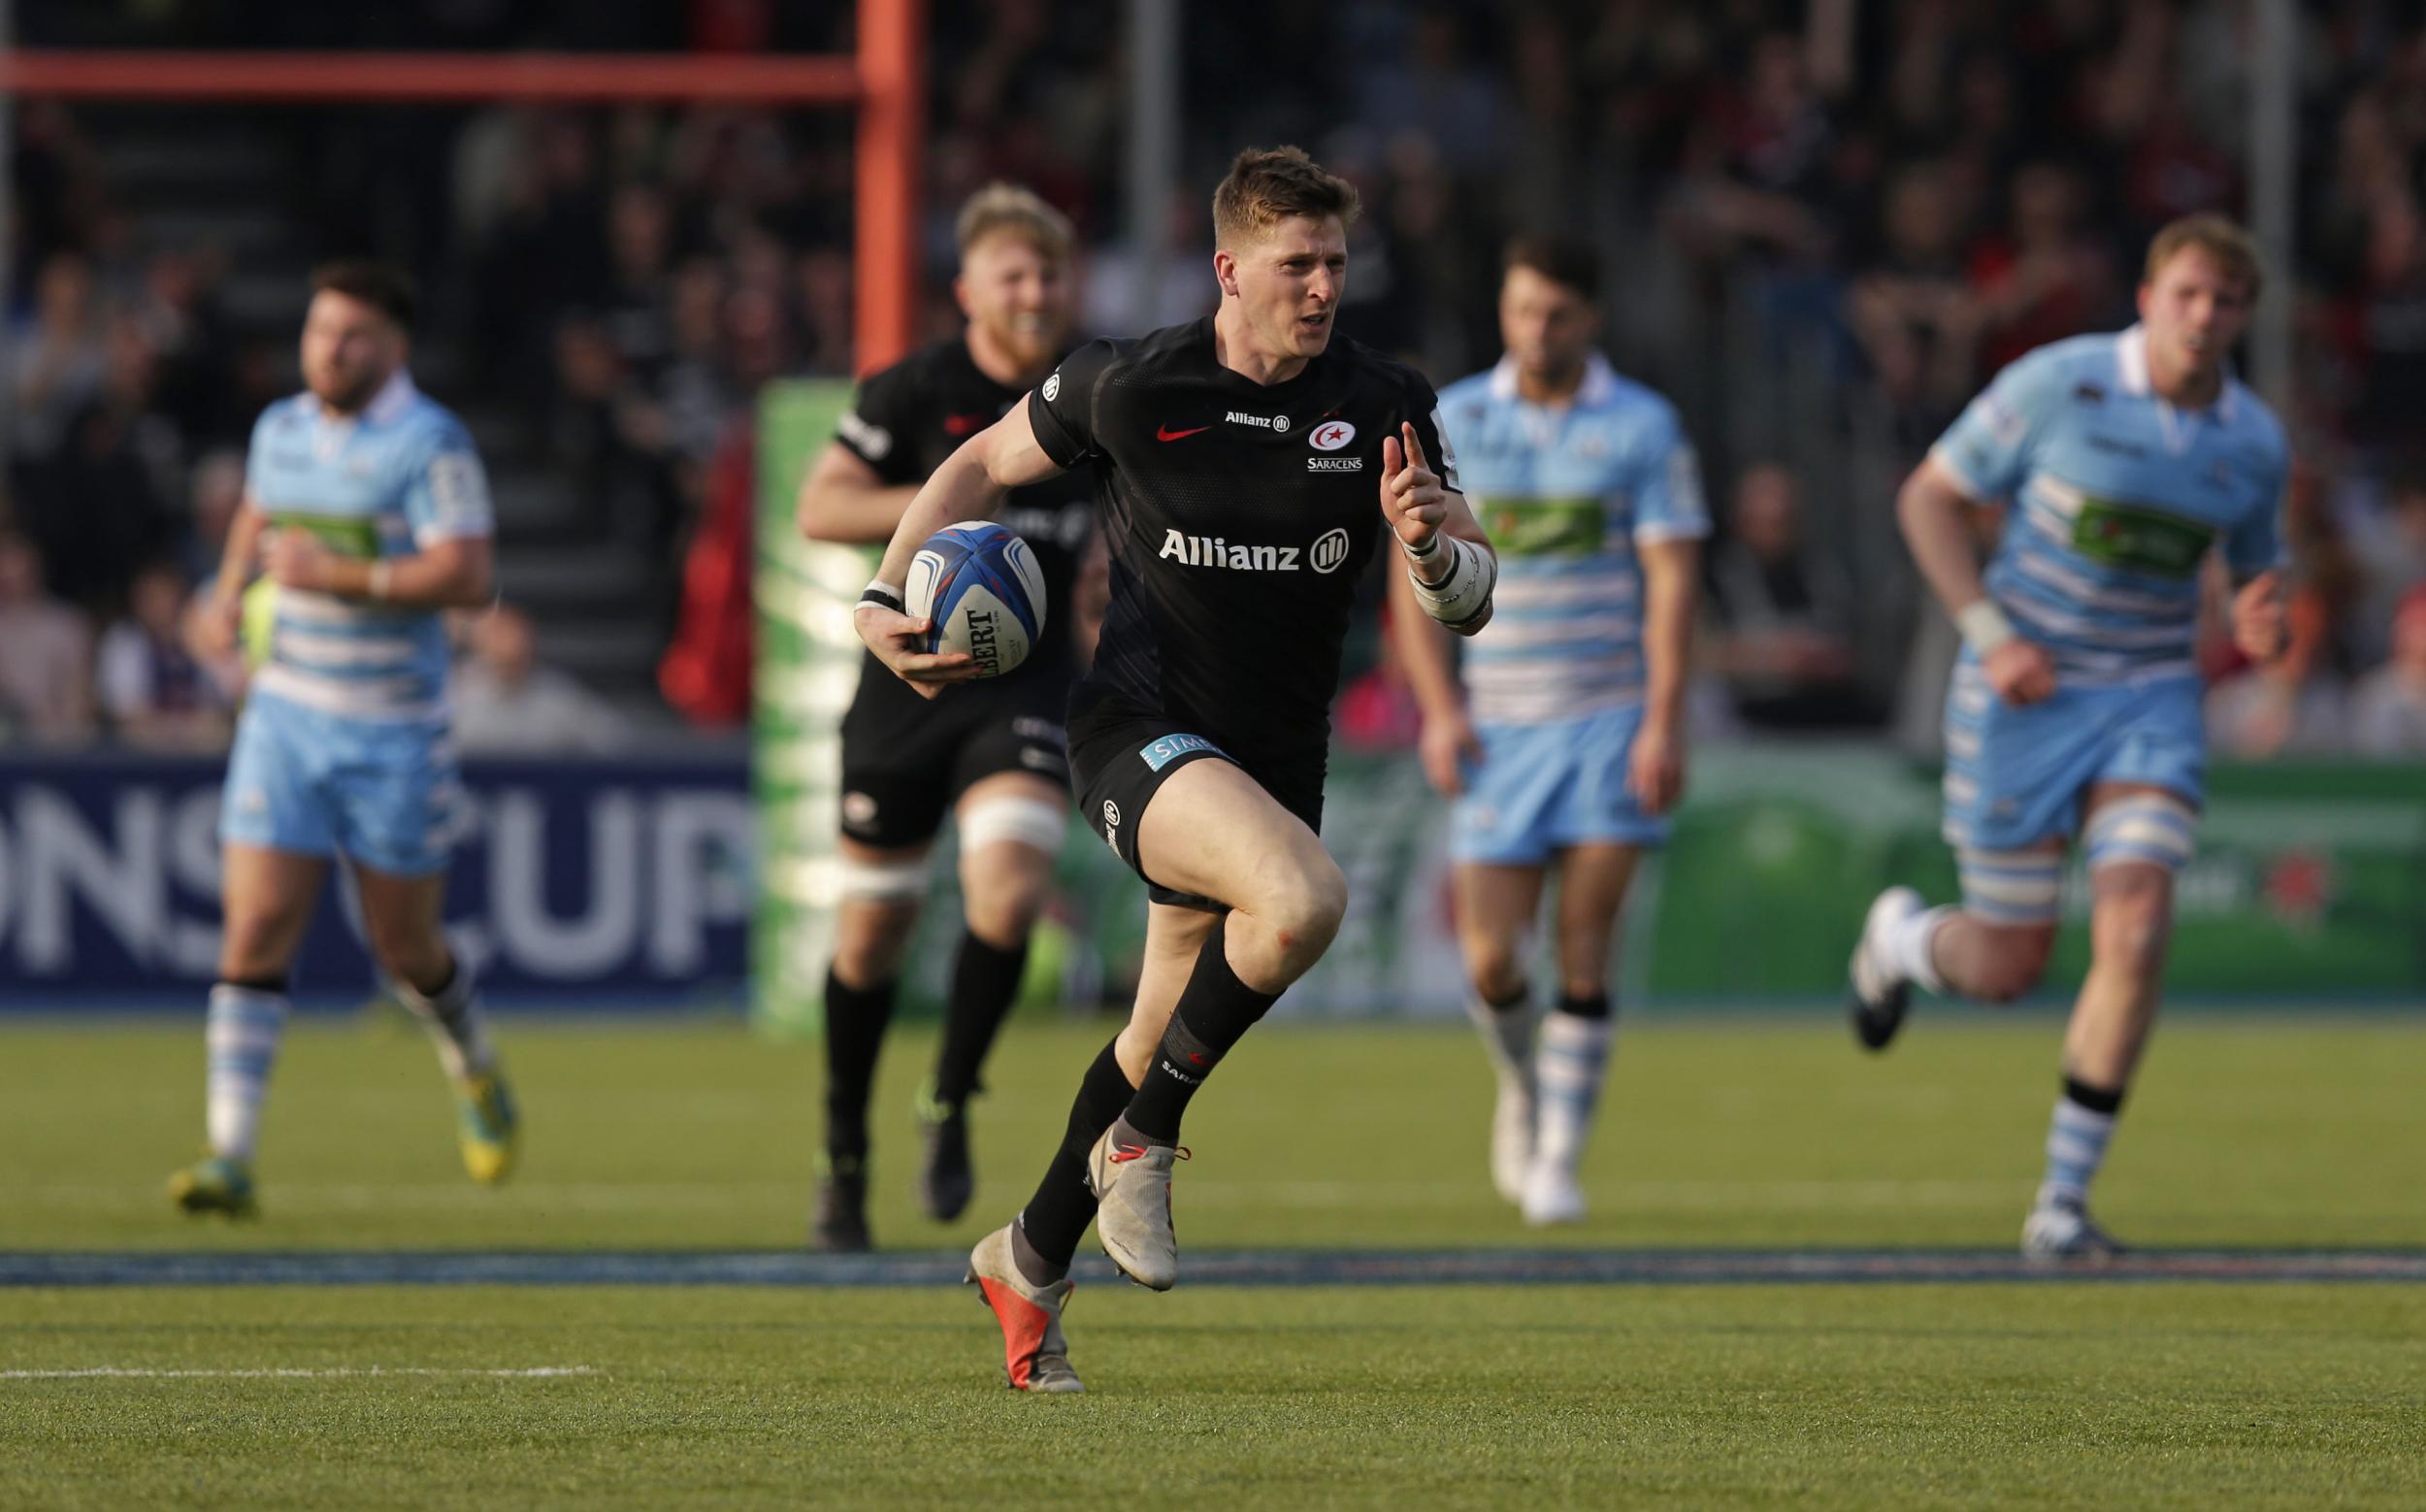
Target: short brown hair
2219, 238
382, 286
1564, 260
1007, 209
1268, 185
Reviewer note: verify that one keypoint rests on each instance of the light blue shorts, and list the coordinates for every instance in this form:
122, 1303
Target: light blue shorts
1542, 788
388, 795
2015, 777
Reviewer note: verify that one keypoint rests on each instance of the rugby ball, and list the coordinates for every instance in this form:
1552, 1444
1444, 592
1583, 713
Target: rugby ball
980, 586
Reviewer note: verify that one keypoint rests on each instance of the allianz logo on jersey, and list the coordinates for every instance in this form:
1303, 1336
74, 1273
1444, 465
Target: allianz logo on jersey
1329, 549
1277, 424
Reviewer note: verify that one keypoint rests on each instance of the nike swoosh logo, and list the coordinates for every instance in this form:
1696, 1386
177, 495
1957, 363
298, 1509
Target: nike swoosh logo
1165, 433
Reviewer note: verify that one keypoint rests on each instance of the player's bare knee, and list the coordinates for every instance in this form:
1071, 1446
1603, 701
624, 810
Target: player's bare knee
1000, 908
2130, 930
867, 959
1493, 967
253, 949
1302, 908
870, 938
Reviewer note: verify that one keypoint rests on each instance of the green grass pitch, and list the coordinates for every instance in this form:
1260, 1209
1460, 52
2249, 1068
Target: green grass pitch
1771, 1134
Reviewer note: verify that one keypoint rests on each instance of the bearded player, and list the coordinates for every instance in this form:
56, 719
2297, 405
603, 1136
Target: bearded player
366, 503
1565, 747
2130, 461
1239, 461
995, 759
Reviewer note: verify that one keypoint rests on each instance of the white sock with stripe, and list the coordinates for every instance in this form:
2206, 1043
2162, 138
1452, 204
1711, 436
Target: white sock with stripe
1570, 1061
240, 1034
457, 1027
2077, 1137
1507, 1032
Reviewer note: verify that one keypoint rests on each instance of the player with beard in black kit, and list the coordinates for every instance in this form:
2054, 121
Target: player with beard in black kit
1238, 460
996, 759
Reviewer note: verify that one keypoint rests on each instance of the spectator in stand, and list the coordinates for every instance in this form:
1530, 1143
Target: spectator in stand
96, 510
2292, 705
2388, 708
46, 654
1786, 650
606, 438
1915, 315
153, 691
2044, 278
214, 492
507, 703
2389, 546
59, 362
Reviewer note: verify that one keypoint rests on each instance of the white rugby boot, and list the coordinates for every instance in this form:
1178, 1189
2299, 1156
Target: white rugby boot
1881, 992
1132, 1185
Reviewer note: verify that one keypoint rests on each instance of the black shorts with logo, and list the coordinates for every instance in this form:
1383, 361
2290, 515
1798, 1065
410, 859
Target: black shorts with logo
902, 776
1120, 755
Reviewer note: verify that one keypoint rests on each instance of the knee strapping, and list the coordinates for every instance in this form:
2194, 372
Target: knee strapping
883, 882
2013, 889
1033, 822
2155, 829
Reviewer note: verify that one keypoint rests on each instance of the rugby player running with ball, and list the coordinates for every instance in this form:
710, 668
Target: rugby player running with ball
1237, 461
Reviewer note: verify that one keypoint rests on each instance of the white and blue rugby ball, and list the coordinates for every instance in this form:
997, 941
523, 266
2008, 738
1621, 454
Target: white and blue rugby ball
980, 586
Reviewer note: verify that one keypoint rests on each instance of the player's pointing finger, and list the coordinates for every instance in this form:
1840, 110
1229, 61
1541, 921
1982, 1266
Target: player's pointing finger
1415, 446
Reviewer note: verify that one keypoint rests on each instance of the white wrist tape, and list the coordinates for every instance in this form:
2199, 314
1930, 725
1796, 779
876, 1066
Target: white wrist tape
1466, 593
383, 583
880, 592
1984, 625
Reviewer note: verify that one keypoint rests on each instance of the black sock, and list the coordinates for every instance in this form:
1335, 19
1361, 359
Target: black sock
1215, 1010
1591, 1006
1056, 1218
984, 980
2097, 1100
855, 1024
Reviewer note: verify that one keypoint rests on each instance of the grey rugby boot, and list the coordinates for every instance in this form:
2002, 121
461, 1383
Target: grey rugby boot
1035, 1357
2060, 1230
1133, 1184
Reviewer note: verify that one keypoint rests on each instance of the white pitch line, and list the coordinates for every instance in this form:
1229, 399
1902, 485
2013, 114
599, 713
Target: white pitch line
125, 1373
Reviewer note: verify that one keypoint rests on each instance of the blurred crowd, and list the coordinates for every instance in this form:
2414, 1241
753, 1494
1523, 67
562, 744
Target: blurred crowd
1892, 199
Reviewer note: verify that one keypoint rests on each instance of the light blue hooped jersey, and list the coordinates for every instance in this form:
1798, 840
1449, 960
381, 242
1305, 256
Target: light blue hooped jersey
1566, 495
2116, 498
400, 476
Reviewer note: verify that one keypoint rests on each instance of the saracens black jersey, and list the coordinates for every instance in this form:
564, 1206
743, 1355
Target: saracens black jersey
904, 423
1240, 516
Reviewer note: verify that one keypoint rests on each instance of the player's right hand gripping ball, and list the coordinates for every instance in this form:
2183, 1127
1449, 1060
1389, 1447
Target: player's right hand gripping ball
980, 586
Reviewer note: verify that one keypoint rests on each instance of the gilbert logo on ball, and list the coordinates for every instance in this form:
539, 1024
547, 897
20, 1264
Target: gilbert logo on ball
980, 586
